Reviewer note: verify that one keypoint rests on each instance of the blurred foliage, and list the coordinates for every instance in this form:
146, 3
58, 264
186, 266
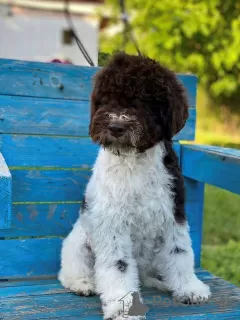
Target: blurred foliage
223, 261
198, 36
221, 216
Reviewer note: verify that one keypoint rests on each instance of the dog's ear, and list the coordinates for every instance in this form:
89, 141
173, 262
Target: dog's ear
179, 106
95, 92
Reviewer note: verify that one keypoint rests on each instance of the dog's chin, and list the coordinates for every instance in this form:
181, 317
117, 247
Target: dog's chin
120, 149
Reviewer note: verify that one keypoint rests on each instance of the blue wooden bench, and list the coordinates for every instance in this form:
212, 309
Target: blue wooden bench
44, 116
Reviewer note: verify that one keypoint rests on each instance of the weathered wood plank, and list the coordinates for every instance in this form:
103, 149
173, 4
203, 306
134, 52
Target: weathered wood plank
55, 219
26, 115
43, 116
5, 194
41, 220
212, 165
42, 151
49, 185
51, 152
45, 80
36, 257
29, 257
4, 285
38, 302
51, 80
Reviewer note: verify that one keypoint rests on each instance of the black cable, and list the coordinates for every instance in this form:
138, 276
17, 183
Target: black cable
74, 33
127, 26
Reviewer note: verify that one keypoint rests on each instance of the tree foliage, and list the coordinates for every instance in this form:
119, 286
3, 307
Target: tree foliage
198, 36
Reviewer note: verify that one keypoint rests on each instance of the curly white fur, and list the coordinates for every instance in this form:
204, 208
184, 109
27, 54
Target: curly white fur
127, 234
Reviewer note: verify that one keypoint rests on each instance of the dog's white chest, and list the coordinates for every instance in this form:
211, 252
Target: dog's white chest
136, 190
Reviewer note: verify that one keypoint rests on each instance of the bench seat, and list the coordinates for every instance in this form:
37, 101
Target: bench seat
47, 299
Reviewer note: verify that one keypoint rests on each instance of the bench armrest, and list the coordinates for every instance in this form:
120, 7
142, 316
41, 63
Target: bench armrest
213, 165
5, 195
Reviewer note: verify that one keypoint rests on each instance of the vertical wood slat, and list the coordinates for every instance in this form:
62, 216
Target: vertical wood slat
5, 195
194, 211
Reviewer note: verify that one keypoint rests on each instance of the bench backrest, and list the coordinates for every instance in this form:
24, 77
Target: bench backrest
44, 118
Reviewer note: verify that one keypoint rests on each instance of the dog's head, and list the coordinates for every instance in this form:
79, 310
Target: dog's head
136, 103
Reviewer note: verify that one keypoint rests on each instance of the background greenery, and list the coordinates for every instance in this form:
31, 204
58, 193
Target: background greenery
202, 37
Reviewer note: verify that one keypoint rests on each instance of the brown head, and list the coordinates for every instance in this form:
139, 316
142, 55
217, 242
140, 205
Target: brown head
136, 103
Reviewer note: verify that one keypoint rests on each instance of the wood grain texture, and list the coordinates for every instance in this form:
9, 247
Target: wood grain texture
26, 115
48, 300
52, 185
45, 80
43, 116
51, 80
33, 257
41, 220
5, 194
51, 152
56, 219
29, 257
194, 210
213, 165
48, 152
49, 185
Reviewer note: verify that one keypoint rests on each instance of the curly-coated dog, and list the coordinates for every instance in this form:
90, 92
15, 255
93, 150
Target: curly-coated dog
132, 229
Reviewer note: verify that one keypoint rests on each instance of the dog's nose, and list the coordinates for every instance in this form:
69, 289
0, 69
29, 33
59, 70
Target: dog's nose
116, 129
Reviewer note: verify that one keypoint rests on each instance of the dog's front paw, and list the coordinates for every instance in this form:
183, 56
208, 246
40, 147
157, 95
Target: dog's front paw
194, 292
81, 286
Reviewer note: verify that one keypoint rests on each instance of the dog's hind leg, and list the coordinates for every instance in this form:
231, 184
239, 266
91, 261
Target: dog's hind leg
77, 262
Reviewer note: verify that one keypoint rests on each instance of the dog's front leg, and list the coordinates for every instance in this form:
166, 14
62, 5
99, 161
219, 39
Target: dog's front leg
175, 264
116, 272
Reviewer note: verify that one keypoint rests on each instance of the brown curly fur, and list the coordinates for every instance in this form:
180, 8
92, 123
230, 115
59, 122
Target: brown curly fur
145, 88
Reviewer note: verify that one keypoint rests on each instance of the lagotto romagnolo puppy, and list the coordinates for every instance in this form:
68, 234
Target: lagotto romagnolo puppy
132, 229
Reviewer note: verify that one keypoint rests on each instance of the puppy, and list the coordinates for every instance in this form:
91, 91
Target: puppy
132, 229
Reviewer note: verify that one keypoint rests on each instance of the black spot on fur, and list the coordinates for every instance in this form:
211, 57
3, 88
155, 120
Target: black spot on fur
88, 247
84, 205
177, 250
159, 277
171, 163
122, 265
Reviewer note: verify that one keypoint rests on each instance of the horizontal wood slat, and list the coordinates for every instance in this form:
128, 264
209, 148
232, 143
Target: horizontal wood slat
29, 257
51, 80
213, 165
42, 151
41, 220
33, 257
54, 152
43, 116
49, 186
26, 115
57, 219
45, 80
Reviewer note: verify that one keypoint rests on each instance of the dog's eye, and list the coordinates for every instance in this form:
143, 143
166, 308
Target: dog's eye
111, 115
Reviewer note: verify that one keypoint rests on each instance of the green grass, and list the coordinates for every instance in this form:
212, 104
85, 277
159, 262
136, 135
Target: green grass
221, 216
221, 232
